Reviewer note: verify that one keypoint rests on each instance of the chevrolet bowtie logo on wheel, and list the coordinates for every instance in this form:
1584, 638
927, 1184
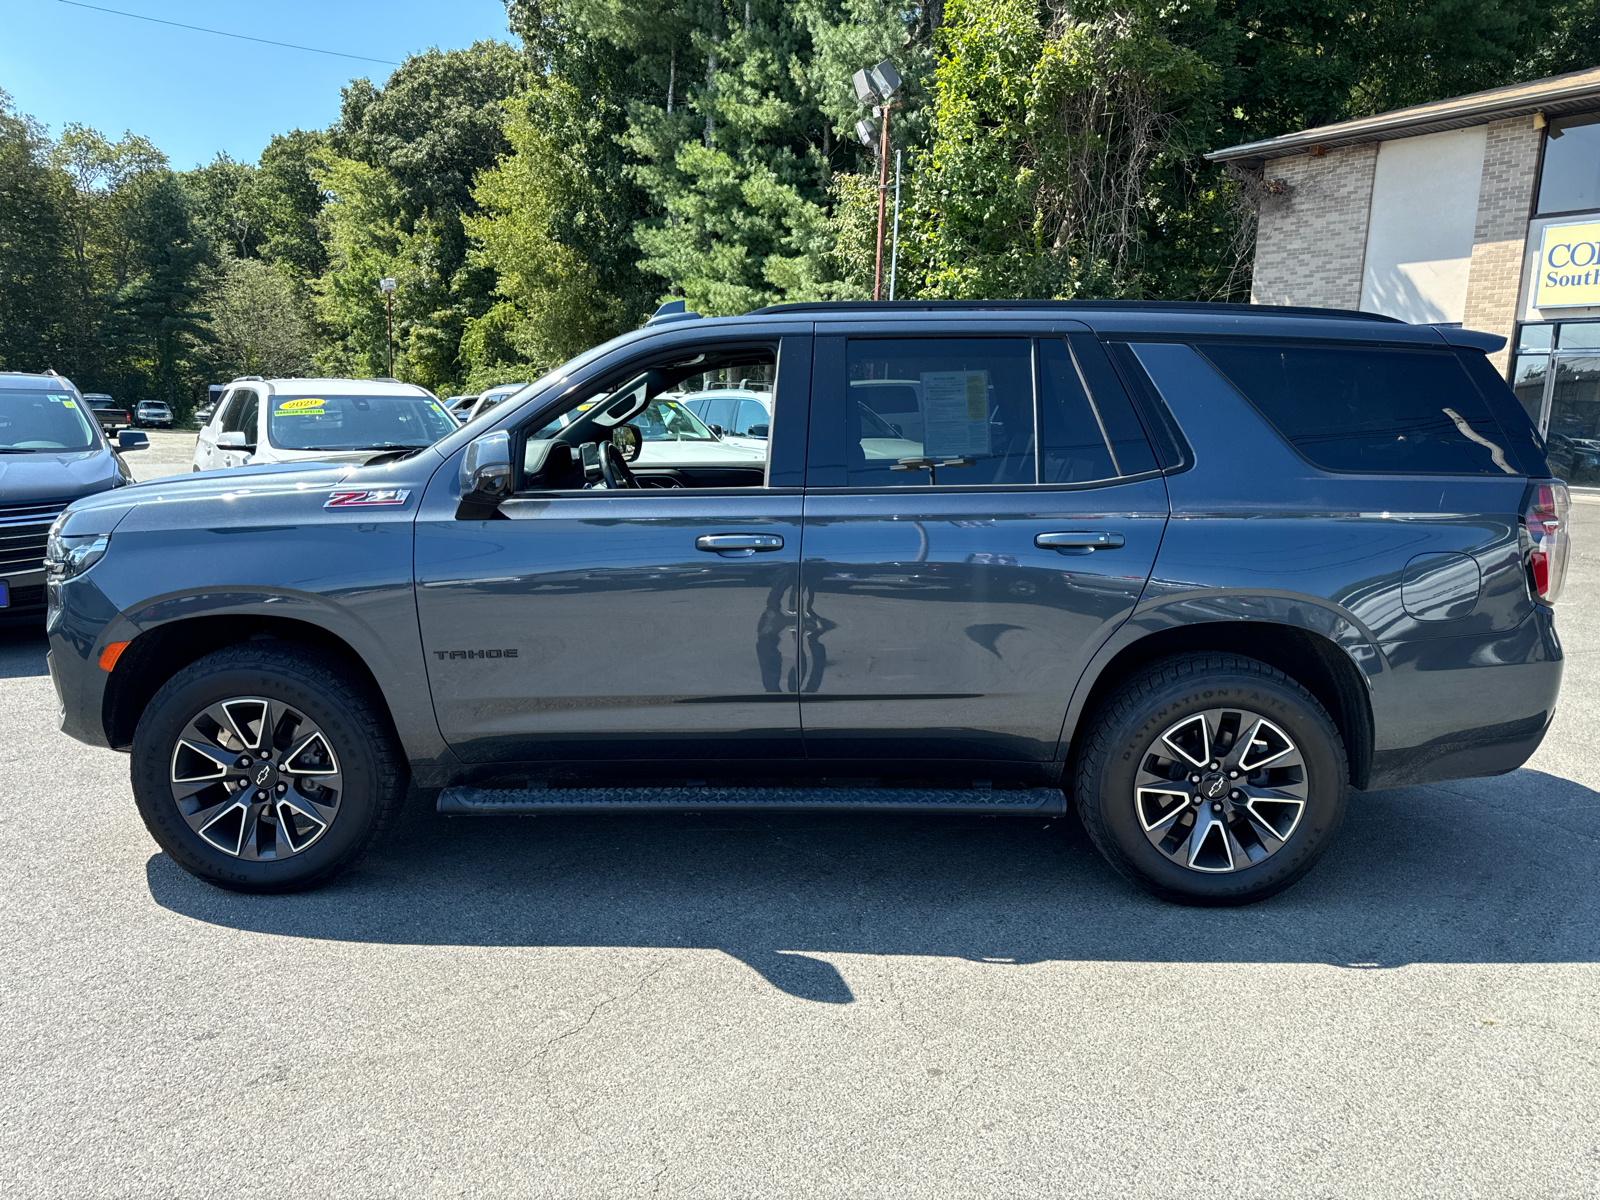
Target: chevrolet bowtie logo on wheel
444, 654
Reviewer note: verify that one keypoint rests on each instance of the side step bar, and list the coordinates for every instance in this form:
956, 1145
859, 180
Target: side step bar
461, 800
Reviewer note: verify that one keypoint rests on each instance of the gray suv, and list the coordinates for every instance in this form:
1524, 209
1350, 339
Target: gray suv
1194, 569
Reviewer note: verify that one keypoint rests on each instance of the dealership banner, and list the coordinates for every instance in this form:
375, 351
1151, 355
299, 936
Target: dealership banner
1569, 266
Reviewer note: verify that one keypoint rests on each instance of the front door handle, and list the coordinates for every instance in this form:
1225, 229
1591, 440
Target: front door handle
1078, 541
737, 545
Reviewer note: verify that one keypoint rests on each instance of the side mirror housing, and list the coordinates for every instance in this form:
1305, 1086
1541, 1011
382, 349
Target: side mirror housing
760, 431
130, 439
486, 473
232, 440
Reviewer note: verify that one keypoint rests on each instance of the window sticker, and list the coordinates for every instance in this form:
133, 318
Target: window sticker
64, 401
309, 405
955, 414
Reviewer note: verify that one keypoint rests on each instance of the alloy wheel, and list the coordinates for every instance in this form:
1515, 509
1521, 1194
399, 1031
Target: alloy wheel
255, 778
1221, 790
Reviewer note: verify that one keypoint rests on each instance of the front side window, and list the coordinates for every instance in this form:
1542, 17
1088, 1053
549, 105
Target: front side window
1569, 178
666, 405
244, 410
356, 422
1369, 409
43, 420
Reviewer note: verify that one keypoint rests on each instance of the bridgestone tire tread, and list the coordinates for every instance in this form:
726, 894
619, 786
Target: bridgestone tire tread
1135, 695
298, 664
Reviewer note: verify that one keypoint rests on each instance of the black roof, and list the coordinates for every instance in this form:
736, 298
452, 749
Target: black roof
1158, 306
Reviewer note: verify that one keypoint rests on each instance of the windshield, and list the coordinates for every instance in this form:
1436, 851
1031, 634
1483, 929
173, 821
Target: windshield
43, 420
356, 422
668, 421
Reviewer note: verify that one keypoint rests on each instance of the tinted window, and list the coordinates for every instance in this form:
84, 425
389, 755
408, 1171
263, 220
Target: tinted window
750, 414
1082, 439
241, 416
1569, 178
719, 412
1370, 409
963, 406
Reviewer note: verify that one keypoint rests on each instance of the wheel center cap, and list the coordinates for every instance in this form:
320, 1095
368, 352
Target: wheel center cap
263, 775
1213, 785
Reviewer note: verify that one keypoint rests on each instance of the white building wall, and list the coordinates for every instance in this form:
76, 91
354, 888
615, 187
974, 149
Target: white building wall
1420, 229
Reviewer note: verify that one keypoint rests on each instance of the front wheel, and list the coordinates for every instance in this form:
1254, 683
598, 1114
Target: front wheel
265, 767
1212, 779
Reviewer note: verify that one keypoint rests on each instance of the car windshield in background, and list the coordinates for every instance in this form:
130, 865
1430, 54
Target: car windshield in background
669, 421
356, 422
43, 421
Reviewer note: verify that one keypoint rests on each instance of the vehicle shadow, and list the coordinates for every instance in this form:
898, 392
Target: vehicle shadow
22, 650
1483, 871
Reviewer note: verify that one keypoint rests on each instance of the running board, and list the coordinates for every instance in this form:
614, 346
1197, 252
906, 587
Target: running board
460, 800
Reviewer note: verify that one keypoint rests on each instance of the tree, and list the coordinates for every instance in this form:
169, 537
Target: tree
36, 297
254, 322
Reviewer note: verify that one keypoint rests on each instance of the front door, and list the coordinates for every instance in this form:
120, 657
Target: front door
974, 539
595, 625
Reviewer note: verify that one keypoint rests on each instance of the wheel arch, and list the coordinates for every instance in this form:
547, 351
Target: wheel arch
158, 654
1318, 663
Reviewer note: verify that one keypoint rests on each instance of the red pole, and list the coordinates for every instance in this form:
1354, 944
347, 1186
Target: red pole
883, 191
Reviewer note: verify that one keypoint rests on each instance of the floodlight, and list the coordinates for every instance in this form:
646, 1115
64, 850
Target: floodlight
865, 92
867, 134
884, 78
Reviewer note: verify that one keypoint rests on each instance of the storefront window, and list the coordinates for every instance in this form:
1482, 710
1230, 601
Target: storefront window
1569, 178
1527, 381
1573, 441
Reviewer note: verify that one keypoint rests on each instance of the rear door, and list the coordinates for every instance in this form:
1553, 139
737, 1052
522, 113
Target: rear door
954, 585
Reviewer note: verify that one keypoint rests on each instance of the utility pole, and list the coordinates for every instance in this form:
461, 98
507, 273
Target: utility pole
894, 254
879, 83
386, 285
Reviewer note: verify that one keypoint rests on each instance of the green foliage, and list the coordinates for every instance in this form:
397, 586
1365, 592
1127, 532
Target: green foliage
254, 322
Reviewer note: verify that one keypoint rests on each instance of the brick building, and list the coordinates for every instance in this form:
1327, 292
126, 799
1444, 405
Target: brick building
1481, 210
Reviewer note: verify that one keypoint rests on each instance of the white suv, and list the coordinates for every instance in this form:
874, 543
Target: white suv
308, 420
741, 416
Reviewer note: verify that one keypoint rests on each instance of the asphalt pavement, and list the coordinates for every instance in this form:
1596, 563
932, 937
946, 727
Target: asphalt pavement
723, 1005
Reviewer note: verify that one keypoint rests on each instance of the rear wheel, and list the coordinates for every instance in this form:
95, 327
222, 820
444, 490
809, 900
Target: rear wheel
1212, 779
265, 768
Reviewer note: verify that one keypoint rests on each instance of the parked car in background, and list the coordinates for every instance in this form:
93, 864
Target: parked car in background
110, 415
491, 397
327, 420
149, 414
460, 407
204, 413
673, 437
739, 416
52, 452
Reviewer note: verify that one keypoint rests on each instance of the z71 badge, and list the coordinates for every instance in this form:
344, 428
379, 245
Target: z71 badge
370, 498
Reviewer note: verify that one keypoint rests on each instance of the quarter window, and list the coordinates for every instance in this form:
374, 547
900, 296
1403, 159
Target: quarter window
1569, 178
1370, 409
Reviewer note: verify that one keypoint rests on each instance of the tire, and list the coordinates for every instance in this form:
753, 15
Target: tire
266, 702
1231, 835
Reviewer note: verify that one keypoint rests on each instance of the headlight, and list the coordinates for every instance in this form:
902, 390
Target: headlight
66, 556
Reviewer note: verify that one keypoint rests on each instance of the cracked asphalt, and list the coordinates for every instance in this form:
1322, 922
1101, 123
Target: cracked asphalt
770, 1005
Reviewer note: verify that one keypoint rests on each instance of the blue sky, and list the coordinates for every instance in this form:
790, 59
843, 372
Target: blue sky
194, 94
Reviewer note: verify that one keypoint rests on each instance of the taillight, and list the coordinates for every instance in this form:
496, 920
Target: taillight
1544, 517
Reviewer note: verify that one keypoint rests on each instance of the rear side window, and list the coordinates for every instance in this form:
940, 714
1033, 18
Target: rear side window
1370, 409
1083, 439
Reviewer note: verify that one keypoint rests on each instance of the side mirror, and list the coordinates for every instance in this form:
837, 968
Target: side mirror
628, 442
130, 439
486, 475
759, 431
717, 429
232, 440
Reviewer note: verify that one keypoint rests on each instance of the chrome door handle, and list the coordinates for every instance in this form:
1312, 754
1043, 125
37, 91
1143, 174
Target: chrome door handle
737, 545
1078, 541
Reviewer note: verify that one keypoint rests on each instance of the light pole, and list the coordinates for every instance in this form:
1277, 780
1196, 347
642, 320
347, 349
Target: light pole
878, 83
386, 285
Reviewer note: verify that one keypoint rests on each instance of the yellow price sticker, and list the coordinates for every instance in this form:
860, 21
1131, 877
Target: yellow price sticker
309, 404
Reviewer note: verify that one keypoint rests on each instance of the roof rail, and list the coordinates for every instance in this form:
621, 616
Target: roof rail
245, 378
1189, 306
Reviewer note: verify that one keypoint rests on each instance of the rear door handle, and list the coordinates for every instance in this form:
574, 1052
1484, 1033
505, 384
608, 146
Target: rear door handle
1078, 541
737, 545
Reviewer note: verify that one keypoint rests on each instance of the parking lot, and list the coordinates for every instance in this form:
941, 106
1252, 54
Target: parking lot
780, 1005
